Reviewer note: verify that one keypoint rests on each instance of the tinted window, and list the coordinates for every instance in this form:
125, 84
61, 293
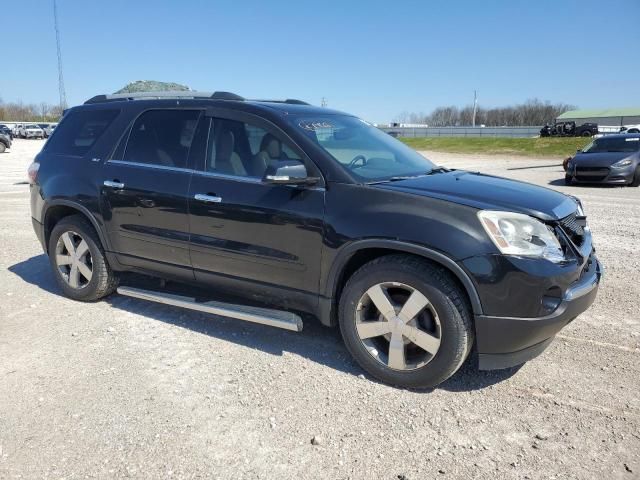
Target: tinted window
242, 149
78, 131
162, 137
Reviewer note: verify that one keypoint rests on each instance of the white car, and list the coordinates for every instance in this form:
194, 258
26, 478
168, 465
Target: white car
49, 130
32, 131
630, 129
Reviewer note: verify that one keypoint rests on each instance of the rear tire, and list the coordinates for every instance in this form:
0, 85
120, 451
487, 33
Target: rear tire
78, 260
568, 180
2, 148
420, 350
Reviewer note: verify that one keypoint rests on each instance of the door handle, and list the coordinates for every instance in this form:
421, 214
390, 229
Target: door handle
113, 184
207, 198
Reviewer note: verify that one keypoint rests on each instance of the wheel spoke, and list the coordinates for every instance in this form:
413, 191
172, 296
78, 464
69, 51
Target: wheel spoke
381, 301
396, 352
68, 242
74, 275
85, 270
422, 339
414, 305
372, 329
63, 260
82, 249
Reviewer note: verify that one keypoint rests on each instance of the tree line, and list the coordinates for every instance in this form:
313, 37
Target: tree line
21, 112
530, 113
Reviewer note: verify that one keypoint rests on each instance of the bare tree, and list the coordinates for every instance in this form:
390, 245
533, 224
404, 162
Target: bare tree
533, 112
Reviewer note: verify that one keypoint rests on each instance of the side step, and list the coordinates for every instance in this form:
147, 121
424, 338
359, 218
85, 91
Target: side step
265, 316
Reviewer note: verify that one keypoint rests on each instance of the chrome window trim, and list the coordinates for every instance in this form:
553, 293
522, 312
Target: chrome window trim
221, 176
150, 165
226, 176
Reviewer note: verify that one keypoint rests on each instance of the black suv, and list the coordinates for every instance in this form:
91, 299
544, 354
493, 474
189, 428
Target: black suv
306, 210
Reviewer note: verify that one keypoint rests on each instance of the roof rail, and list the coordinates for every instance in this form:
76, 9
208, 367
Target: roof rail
291, 101
162, 95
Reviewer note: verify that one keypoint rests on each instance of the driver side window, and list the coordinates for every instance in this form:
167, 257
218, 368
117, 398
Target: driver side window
242, 149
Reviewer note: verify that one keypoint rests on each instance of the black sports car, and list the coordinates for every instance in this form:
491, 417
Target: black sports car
614, 159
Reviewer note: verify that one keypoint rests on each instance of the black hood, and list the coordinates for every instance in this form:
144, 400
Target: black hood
487, 192
603, 159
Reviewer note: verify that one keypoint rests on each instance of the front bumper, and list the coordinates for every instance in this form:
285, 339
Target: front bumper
505, 342
604, 175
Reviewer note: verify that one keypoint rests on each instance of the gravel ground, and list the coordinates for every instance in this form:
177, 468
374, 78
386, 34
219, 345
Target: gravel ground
126, 388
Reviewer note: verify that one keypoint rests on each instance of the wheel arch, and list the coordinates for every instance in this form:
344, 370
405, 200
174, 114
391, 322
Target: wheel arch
59, 209
353, 256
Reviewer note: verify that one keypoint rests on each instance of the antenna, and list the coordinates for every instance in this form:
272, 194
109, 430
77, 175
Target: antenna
323, 102
61, 92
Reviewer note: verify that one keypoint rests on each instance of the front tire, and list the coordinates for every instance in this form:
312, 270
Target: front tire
636, 178
406, 321
78, 260
568, 180
586, 133
2, 147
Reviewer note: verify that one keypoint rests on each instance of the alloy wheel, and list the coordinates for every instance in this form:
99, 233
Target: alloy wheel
73, 259
398, 326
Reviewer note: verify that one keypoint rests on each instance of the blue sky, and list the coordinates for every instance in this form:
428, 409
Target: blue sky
372, 58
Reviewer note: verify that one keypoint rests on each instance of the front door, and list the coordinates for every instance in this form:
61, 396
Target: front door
144, 193
245, 233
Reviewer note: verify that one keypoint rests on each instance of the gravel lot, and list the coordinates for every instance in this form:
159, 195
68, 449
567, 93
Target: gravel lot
126, 388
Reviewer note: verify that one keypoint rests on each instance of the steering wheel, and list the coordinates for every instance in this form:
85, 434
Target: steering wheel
356, 159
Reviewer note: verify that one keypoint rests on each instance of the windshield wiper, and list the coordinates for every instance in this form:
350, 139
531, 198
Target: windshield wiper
398, 178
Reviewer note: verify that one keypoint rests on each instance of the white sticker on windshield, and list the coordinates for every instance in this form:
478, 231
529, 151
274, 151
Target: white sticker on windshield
635, 139
313, 126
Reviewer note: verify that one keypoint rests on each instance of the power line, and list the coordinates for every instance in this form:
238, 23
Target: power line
61, 92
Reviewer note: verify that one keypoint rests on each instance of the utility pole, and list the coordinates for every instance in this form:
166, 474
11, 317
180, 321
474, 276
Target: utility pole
475, 107
323, 102
61, 92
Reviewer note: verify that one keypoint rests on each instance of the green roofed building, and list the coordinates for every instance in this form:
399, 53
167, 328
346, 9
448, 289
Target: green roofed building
607, 116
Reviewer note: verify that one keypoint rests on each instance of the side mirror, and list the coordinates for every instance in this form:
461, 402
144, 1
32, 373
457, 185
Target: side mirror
287, 172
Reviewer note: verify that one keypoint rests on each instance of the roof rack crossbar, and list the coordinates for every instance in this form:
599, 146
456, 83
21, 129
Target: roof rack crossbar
163, 95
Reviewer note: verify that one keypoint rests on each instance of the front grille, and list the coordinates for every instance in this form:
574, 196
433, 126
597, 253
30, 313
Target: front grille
572, 227
591, 174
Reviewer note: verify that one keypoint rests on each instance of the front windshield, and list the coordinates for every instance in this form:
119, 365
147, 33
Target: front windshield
613, 144
366, 152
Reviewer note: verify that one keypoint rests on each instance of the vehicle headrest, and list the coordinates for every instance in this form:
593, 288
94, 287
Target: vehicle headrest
271, 145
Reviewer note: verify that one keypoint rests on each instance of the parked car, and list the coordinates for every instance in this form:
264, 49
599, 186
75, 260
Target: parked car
32, 131
5, 142
613, 159
6, 131
569, 129
49, 130
17, 130
300, 209
44, 127
630, 129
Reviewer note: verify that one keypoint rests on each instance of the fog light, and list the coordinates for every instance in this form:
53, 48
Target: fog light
550, 301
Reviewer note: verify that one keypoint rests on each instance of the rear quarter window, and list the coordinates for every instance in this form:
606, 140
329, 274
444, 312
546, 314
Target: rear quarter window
79, 131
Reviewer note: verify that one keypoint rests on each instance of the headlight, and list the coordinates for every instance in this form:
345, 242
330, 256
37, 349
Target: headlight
518, 234
622, 163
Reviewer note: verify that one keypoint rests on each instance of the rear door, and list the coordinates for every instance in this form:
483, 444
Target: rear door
265, 237
144, 192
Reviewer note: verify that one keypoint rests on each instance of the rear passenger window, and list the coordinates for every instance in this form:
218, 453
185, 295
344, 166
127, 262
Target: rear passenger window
78, 132
162, 137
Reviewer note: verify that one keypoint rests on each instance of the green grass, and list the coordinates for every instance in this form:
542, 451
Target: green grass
532, 147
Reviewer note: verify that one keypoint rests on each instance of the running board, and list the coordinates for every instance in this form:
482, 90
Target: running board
265, 316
